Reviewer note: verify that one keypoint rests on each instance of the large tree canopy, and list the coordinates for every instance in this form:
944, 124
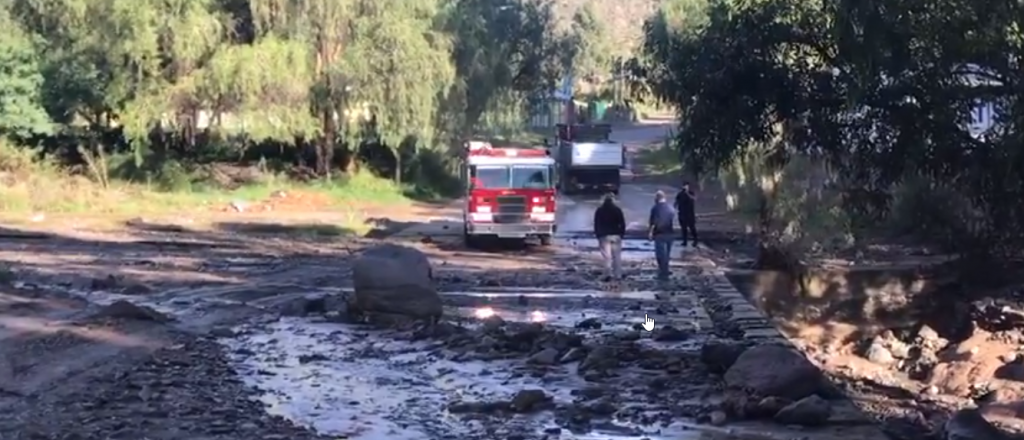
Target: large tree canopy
880, 94
333, 75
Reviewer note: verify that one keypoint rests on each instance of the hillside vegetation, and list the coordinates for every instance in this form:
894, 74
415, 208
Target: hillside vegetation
794, 105
142, 100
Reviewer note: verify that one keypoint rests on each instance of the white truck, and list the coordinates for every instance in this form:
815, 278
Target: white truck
587, 158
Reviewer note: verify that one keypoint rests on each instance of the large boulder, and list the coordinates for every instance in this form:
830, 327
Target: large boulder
774, 370
395, 280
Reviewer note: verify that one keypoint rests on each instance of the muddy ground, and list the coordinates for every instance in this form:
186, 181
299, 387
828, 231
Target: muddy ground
241, 332
173, 336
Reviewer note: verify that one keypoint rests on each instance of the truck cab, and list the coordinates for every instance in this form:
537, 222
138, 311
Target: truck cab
510, 193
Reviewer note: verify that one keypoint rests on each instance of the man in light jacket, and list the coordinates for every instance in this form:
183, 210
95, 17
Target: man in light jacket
609, 227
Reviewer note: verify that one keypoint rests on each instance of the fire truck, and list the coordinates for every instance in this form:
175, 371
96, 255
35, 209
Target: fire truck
510, 193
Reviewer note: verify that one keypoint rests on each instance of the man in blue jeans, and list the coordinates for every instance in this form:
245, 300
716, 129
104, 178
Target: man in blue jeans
660, 230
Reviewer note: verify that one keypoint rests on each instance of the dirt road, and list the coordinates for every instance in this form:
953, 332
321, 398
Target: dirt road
185, 336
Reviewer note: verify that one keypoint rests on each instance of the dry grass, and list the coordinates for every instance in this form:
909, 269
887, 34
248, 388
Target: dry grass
32, 190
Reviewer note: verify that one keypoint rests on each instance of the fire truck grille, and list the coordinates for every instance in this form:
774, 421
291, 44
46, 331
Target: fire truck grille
511, 209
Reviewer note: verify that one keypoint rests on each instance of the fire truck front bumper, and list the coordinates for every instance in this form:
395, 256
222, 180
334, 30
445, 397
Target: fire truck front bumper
511, 230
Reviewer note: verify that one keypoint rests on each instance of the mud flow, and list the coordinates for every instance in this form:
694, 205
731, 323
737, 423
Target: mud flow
505, 362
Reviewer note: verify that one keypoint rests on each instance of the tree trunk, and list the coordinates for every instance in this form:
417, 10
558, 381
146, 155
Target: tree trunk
325, 148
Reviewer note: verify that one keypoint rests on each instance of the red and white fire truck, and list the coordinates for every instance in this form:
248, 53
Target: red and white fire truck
510, 193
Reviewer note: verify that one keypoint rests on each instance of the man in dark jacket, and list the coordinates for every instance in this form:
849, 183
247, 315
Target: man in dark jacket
609, 227
660, 231
686, 207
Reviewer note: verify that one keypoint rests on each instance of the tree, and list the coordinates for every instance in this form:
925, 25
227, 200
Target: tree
21, 110
502, 49
591, 42
878, 95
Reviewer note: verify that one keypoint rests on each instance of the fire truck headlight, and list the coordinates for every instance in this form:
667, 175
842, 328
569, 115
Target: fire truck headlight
483, 209
540, 209
538, 200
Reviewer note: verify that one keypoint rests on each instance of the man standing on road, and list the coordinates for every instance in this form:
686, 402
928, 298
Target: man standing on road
660, 231
686, 207
610, 227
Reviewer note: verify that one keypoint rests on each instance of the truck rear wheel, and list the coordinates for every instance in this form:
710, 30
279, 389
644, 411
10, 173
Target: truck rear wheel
545, 240
469, 240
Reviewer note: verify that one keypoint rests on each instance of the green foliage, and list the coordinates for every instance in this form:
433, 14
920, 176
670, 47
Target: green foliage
172, 84
879, 96
21, 111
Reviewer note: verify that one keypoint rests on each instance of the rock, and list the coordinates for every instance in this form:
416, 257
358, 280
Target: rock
136, 289
600, 358
718, 356
529, 400
395, 280
809, 411
573, 355
670, 334
416, 261
717, 418
774, 370
547, 356
122, 309
969, 424
879, 354
768, 407
110, 282
589, 324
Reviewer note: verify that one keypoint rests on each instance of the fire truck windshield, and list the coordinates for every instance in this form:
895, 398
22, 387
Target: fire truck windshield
511, 177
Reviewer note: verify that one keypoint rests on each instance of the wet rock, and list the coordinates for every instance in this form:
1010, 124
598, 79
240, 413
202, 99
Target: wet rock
308, 358
493, 324
809, 411
665, 309
122, 309
717, 418
529, 400
599, 358
774, 370
768, 407
395, 280
136, 289
719, 356
108, 283
603, 407
573, 355
477, 407
589, 324
547, 356
670, 334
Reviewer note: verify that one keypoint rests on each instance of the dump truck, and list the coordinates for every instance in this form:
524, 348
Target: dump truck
586, 158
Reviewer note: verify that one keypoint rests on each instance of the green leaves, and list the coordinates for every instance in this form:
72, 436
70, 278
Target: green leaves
21, 110
884, 92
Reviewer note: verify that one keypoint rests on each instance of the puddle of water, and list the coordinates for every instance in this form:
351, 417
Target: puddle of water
371, 389
632, 249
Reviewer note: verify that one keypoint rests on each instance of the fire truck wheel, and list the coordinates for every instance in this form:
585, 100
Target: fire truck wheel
545, 240
470, 241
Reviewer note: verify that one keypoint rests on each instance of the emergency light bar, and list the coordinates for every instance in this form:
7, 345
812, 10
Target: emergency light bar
485, 149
